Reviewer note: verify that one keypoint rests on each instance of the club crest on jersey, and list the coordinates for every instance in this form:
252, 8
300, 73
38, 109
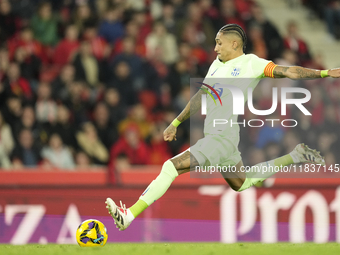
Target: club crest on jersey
236, 71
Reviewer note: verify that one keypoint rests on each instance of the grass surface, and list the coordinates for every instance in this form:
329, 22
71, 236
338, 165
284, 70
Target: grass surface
175, 249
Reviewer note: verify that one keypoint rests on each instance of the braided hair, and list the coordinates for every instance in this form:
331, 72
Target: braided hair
234, 28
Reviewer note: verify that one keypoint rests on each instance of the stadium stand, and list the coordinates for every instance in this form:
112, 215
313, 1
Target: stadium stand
88, 83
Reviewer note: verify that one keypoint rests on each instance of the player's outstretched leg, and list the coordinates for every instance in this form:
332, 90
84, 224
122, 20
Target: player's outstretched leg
301, 154
123, 217
170, 170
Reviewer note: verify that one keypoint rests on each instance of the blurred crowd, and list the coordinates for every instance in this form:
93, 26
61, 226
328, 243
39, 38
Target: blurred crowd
327, 10
85, 82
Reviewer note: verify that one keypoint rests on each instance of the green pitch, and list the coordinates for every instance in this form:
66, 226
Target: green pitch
175, 249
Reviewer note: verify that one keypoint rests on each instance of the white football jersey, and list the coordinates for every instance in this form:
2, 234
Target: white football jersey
242, 72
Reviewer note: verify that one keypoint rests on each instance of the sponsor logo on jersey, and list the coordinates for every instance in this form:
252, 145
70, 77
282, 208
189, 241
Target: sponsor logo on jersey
236, 71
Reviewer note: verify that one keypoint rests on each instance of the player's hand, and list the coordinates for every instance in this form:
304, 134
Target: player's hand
334, 73
169, 133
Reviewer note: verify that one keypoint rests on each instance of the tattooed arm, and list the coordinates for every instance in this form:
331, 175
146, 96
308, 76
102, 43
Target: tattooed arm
190, 109
298, 72
295, 72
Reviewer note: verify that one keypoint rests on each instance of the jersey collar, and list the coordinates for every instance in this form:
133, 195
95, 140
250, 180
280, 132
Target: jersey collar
229, 61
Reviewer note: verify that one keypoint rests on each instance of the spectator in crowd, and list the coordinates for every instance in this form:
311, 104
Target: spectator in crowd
168, 18
290, 140
9, 23
101, 50
180, 7
25, 40
123, 82
86, 65
99, 46
83, 15
78, 101
107, 132
111, 27
46, 107
294, 42
82, 160
28, 121
326, 141
66, 48
90, 143
121, 163
65, 127
138, 118
202, 30
257, 44
45, 25
182, 98
149, 100
6, 138
189, 35
29, 65
332, 16
194, 65
271, 36
158, 150
161, 44
178, 77
132, 145
17, 85
5, 161
24, 9
4, 62
129, 56
56, 155
117, 107
229, 13
143, 22
12, 110
62, 83
210, 12
135, 5
131, 31
26, 153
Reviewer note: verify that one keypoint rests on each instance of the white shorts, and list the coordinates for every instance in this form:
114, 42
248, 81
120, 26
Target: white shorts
213, 150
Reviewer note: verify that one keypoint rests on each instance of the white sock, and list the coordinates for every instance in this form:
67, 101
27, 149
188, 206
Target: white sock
129, 215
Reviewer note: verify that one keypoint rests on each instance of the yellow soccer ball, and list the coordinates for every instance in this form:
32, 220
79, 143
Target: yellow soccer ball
91, 233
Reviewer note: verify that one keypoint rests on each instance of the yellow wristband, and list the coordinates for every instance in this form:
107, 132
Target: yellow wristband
324, 73
176, 122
